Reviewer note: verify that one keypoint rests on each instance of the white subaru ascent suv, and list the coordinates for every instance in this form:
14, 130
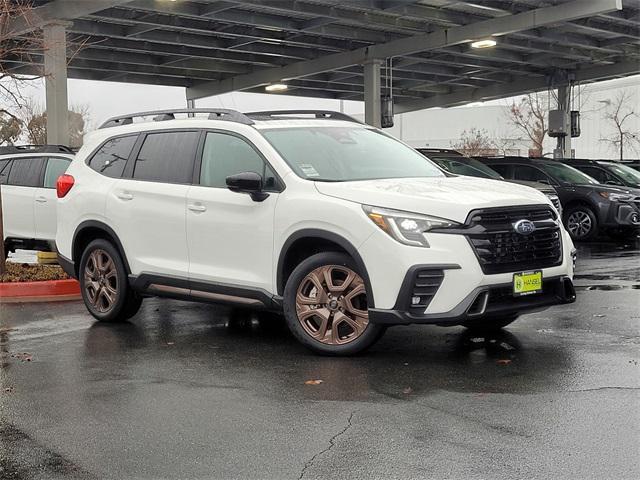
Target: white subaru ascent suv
337, 224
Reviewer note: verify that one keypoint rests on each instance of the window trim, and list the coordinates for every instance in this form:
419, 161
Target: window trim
87, 160
129, 168
278, 188
44, 169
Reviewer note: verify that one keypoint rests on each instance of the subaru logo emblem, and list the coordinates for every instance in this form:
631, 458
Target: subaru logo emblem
524, 227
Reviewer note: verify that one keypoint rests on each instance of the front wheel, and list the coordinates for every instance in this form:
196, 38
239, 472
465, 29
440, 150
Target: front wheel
581, 223
103, 283
325, 305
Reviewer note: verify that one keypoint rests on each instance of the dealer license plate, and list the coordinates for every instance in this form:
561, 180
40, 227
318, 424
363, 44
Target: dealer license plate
527, 283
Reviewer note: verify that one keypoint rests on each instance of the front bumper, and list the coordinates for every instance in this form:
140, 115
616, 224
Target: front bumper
623, 214
483, 302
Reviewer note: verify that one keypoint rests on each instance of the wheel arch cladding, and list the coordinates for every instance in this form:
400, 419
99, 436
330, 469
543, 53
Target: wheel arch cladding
90, 230
304, 243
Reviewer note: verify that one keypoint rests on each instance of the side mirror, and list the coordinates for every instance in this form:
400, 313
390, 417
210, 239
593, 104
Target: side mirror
247, 182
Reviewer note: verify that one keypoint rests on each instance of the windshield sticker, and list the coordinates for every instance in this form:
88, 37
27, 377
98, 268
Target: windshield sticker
309, 170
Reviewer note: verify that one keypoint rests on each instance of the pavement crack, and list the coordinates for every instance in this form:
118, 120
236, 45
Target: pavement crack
332, 442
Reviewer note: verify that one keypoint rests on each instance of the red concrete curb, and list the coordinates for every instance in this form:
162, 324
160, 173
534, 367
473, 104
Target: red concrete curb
40, 291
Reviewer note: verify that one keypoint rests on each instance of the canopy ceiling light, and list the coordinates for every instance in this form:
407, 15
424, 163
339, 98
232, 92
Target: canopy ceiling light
484, 43
276, 87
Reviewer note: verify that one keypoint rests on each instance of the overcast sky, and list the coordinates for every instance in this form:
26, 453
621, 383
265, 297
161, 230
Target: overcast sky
107, 99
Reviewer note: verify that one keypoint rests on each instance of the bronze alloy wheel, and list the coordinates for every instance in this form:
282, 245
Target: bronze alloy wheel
101, 281
331, 305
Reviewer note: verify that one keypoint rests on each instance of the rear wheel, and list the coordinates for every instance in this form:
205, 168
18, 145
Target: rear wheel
581, 223
103, 283
490, 324
325, 305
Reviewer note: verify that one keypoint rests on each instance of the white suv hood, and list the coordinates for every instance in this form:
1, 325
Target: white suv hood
451, 197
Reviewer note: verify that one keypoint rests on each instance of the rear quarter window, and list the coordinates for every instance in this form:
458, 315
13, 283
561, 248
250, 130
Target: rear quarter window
55, 167
25, 172
111, 158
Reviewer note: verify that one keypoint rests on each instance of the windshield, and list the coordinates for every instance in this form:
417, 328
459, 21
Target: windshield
628, 174
337, 154
566, 174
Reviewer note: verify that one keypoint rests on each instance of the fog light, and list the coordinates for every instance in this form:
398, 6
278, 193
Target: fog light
415, 300
635, 218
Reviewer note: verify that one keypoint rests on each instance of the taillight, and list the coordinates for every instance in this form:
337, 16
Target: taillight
64, 184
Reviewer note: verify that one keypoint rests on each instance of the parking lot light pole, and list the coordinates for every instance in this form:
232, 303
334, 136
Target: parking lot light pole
372, 104
55, 70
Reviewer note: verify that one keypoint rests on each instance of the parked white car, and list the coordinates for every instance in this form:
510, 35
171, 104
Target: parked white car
28, 176
342, 227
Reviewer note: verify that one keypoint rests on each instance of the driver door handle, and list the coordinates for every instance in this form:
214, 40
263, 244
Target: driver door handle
197, 207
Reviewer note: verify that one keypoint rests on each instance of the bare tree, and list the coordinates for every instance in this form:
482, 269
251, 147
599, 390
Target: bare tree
10, 129
475, 142
34, 119
619, 113
529, 116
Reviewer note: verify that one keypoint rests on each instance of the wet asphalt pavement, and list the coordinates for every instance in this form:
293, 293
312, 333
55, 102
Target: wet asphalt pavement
194, 391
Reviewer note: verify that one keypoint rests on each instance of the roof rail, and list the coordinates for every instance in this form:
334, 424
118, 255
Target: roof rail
439, 150
35, 149
326, 114
162, 115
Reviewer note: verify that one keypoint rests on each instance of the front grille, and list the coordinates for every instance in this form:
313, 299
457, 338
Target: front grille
501, 249
424, 285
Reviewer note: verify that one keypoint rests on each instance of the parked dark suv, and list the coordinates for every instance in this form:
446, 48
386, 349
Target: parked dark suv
454, 162
588, 205
607, 171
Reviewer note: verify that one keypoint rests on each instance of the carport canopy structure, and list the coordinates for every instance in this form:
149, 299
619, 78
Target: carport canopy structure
338, 49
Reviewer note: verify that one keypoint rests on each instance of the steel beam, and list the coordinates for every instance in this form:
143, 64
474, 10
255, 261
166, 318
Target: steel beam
493, 92
419, 43
57, 10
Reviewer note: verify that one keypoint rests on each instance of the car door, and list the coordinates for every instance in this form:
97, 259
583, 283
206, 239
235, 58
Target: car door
18, 196
147, 205
230, 235
46, 200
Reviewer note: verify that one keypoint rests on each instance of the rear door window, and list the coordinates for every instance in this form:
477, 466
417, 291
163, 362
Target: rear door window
167, 157
25, 172
112, 156
55, 167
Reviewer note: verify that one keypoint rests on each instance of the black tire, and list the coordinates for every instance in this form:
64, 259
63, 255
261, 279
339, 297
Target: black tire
490, 324
126, 302
367, 337
581, 223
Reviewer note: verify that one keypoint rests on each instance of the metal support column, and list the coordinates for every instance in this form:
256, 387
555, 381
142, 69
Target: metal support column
563, 147
372, 105
55, 70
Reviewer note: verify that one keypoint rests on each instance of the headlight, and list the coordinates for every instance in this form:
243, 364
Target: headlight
617, 197
405, 227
